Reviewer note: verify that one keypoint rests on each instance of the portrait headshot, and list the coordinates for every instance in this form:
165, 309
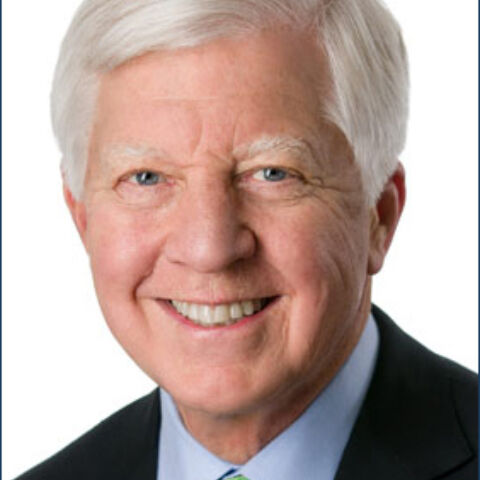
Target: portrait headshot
245, 240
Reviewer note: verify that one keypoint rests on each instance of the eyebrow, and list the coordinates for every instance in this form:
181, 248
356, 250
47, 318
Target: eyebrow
266, 144
276, 144
112, 156
124, 150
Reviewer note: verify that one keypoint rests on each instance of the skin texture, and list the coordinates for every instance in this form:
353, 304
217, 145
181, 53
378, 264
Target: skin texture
214, 230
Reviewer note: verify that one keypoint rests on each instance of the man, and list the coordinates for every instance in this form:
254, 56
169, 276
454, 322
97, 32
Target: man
232, 169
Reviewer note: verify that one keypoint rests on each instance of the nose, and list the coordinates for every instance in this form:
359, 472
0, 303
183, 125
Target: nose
207, 233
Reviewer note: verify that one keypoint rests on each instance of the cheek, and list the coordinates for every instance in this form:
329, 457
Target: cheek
122, 250
322, 255
342, 245
316, 246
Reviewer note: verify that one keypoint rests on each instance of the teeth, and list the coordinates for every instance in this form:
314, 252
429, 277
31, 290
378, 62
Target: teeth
205, 315
221, 315
194, 311
184, 308
236, 311
247, 307
226, 314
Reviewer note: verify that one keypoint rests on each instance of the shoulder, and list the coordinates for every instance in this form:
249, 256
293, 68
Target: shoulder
112, 449
423, 373
464, 385
419, 417
432, 390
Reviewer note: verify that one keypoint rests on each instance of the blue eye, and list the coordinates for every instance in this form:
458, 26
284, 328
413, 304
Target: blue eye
146, 178
271, 174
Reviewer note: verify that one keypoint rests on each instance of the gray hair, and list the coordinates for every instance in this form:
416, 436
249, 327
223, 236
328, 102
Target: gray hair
361, 39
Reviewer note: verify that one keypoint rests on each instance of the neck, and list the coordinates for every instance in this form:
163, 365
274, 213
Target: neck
237, 438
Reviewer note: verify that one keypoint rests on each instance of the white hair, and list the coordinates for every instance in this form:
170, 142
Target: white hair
361, 39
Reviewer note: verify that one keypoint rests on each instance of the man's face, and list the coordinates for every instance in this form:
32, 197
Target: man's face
214, 179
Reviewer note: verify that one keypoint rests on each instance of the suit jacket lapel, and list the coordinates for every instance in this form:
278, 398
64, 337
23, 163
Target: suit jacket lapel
141, 440
407, 427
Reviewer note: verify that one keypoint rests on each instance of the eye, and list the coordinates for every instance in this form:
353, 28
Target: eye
271, 174
145, 178
144, 188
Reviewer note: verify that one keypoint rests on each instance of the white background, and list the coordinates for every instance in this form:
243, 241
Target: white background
62, 370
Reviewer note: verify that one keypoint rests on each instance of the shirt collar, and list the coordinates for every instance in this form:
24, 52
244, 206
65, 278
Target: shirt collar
309, 448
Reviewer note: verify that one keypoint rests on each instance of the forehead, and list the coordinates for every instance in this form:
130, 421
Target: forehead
280, 59
219, 95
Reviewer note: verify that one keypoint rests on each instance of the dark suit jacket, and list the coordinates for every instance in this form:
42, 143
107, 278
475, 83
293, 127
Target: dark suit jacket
418, 422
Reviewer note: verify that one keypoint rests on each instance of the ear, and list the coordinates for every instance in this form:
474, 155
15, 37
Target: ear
77, 210
385, 216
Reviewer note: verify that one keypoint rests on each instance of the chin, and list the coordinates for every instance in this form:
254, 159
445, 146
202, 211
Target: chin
217, 395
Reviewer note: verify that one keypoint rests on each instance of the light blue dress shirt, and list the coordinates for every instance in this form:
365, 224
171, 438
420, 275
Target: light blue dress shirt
309, 449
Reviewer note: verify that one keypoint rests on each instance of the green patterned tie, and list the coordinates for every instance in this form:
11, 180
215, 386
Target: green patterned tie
237, 477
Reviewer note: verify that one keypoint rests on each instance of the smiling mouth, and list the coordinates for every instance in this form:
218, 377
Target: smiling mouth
220, 315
